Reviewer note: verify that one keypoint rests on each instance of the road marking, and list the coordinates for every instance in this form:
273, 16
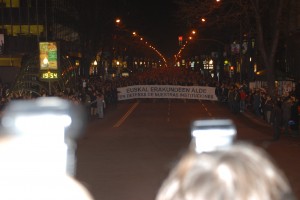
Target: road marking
205, 108
120, 122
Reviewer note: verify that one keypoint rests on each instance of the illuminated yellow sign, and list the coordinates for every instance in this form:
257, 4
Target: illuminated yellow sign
48, 56
49, 75
12, 3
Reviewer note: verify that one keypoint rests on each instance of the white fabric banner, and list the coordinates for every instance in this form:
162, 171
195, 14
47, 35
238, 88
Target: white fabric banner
167, 91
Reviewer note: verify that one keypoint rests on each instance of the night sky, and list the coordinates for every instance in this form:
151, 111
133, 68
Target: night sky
155, 20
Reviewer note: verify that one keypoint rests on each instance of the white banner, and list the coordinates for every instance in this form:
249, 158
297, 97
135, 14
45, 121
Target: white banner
167, 91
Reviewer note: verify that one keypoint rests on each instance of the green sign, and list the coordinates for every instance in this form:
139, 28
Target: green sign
48, 56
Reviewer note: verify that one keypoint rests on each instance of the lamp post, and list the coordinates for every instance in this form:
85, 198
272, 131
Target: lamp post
95, 68
240, 50
114, 49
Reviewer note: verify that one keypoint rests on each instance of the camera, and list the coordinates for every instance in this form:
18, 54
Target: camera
212, 134
44, 133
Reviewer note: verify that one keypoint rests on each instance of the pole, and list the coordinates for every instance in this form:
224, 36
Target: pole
46, 22
49, 88
2, 15
11, 19
240, 52
37, 20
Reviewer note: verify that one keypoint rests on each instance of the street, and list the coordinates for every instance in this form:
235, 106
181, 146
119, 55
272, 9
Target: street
128, 154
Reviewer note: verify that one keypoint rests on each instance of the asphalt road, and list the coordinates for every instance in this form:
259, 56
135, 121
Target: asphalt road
127, 155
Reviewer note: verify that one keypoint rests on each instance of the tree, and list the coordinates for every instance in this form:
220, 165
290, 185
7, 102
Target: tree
94, 25
266, 19
97, 29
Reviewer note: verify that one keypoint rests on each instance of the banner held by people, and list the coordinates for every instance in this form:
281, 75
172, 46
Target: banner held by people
167, 91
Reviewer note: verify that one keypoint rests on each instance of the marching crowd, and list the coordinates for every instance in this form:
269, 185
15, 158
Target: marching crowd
96, 93
237, 171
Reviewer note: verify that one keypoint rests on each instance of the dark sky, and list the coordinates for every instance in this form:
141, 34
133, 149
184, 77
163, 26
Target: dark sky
155, 20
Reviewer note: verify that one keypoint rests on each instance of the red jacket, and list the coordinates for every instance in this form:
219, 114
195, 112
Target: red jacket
243, 95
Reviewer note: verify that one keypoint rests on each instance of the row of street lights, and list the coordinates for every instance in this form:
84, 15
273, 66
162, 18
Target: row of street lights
238, 57
228, 60
205, 65
119, 62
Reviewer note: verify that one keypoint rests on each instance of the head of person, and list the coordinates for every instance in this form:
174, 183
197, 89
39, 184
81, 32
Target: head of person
241, 171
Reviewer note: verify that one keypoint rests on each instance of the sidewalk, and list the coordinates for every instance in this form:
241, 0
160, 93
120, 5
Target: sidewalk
250, 115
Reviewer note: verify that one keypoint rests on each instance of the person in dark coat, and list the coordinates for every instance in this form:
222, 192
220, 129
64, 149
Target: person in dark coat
236, 101
218, 92
294, 116
276, 117
256, 103
286, 114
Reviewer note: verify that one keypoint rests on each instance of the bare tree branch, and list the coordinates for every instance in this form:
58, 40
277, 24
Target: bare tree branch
263, 18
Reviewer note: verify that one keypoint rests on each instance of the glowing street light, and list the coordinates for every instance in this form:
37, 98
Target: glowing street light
118, 21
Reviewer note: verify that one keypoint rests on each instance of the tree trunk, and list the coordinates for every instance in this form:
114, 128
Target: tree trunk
268, 52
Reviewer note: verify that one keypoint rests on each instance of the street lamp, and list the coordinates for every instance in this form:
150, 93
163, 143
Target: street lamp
118, 21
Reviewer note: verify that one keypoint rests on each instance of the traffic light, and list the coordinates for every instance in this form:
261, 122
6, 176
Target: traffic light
180, 40
231, 71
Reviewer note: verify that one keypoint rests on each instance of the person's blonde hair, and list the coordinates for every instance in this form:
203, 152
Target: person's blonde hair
240, 172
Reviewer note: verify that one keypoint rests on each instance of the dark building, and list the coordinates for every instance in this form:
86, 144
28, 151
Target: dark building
24, 23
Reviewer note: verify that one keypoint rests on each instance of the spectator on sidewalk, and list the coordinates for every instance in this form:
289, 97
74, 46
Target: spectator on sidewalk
294, 116
243, 97
100, 105
286, 114
256, 103
267, 109
231, 94
263, 98
93, 97
236, 100
276, 120
218, 92
225, 91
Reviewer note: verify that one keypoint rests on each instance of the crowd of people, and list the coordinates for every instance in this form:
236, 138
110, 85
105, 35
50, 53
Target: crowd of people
96, 93
279, 111
239, 171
